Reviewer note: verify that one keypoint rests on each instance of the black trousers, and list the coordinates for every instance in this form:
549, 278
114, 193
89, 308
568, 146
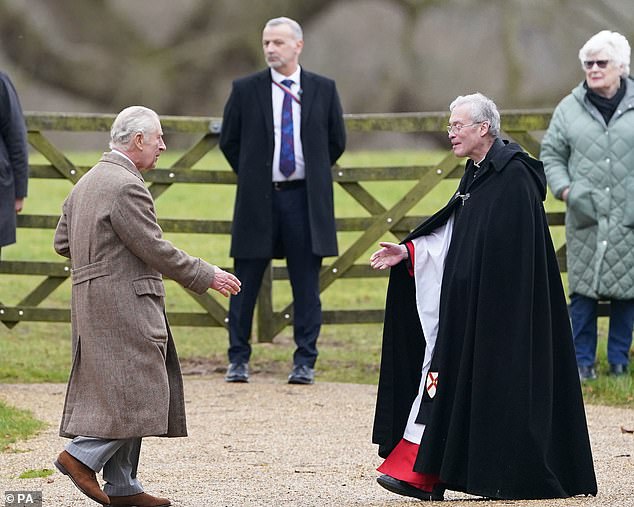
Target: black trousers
291, 228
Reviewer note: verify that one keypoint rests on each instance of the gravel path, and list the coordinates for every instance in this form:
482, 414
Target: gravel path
271, 444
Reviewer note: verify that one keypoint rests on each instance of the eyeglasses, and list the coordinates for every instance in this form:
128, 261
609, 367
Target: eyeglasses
455, 129
602, 64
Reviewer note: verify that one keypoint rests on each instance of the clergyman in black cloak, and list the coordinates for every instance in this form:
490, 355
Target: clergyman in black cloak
478, 388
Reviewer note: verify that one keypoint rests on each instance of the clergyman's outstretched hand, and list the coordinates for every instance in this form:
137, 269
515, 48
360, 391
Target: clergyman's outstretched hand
389, 255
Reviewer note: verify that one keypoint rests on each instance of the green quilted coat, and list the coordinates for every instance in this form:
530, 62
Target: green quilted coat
597, 162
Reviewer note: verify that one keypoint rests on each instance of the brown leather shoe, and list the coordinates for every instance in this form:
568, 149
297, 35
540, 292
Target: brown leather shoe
82, 476
139, 500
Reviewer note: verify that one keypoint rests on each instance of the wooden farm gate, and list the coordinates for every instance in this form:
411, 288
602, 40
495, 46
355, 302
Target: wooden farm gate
522, 126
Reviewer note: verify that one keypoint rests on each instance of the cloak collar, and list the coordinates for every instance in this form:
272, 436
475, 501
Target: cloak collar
498, 158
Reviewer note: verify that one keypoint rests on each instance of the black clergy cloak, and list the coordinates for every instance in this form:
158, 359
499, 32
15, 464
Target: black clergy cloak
507, 420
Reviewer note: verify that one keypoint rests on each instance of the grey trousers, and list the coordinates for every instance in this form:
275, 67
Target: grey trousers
118, 460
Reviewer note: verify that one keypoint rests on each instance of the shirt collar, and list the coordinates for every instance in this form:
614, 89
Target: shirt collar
123, 155
278, 78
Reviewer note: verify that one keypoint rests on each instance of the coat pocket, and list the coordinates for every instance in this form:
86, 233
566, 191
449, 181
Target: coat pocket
149, 285
581, 209
6, 176
149, 308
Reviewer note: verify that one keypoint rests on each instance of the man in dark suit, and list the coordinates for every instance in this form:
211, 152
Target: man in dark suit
282, 131
14, 160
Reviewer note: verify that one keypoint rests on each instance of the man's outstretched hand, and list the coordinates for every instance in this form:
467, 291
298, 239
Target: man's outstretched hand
225, 283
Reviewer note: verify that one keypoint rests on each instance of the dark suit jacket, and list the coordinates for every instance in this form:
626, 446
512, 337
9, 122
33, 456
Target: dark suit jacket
247, 140
14, 164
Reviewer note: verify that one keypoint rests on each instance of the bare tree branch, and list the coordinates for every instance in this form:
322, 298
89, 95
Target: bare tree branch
94, 22
84, 63
90, 49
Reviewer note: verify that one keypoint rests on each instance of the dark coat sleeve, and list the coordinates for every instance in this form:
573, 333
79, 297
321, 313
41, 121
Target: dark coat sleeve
246, 140
230, 133
336, 128
13, 146
323, 141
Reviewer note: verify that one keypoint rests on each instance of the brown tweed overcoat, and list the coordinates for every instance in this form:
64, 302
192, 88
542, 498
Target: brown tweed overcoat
125, 379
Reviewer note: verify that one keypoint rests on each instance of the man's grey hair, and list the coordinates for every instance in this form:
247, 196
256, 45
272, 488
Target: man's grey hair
613, 44
483, 109
129, 122
297, 30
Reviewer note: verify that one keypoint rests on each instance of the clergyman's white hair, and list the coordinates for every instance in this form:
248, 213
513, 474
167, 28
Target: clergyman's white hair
483, 109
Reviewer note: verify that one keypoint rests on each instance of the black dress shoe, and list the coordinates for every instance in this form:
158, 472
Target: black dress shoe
587, 373
302, 374
618, 370
402, 488
237, 372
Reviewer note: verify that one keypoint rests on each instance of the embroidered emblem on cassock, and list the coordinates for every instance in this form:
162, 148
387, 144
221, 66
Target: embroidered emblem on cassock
431, 383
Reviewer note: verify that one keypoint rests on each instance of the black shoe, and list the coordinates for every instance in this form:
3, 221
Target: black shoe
618, 370
587, 373
302, 374
402, 488
237, 372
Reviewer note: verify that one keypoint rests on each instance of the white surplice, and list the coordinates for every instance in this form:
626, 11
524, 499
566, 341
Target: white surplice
430, 252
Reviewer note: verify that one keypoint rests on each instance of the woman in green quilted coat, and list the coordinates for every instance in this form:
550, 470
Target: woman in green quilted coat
588, 155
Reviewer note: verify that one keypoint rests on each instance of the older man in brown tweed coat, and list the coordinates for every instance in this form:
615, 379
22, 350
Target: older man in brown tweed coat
125, 381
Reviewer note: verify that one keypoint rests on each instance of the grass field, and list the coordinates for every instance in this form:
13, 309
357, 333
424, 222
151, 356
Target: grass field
16, 425
35, 352
40, 352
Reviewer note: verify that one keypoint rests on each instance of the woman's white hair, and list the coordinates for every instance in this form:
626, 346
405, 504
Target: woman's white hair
613, 44
129, 122
295, 27
483, 109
